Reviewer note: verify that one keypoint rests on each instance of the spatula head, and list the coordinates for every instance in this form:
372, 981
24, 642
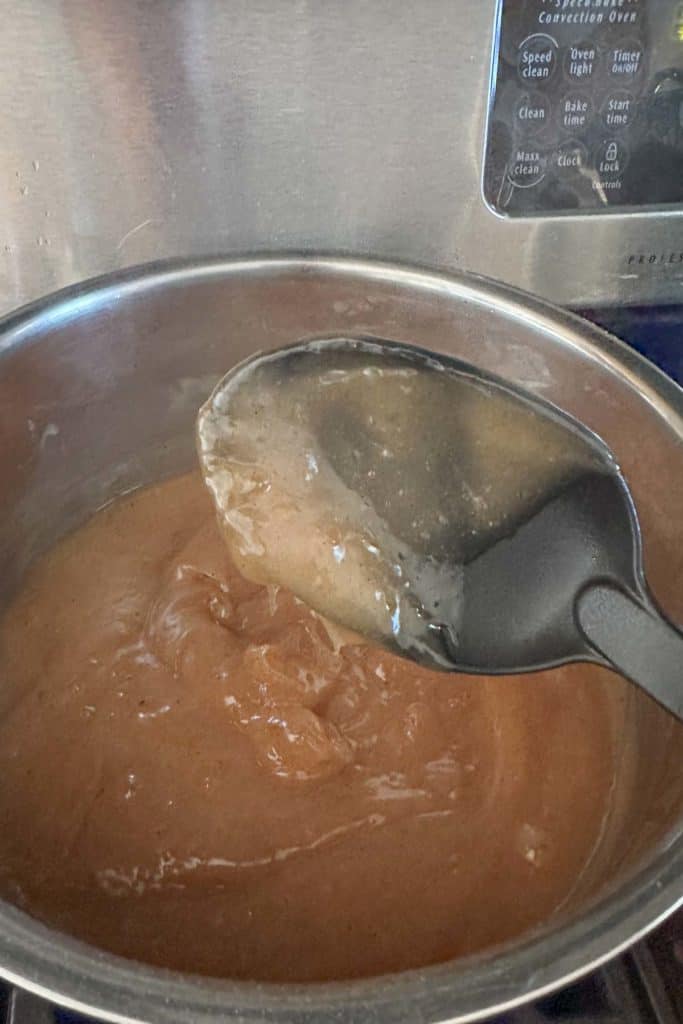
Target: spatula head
416, 500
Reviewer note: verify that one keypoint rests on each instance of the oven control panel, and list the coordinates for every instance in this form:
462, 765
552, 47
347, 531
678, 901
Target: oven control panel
586, 107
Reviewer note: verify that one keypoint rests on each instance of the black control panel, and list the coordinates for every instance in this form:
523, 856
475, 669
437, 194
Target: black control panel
586, 109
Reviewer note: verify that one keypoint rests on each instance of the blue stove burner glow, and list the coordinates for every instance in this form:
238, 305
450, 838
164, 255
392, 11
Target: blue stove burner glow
656, 332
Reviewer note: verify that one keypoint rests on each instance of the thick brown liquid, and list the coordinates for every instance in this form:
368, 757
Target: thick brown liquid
192, 775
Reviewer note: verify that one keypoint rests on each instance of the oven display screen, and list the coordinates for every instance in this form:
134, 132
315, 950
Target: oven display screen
586, 107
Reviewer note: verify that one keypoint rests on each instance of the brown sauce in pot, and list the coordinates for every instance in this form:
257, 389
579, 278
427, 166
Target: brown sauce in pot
194, 775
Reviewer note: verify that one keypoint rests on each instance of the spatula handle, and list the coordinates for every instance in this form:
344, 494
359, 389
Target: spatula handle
636, 639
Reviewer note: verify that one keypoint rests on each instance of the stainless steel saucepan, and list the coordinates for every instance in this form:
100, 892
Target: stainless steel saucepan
99, 387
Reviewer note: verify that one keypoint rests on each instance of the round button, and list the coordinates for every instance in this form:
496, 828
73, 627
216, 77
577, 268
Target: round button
580, 61
611, 158
570, 159
532, 113
527, 166
618, 109
537, 58
625, 60
575, 111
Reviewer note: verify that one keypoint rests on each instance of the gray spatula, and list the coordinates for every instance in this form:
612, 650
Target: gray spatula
481, 529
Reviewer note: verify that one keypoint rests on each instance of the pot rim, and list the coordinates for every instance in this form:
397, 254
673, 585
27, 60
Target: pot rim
73, 974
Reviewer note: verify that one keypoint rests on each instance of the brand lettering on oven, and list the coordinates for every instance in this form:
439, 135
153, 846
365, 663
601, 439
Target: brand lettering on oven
657, 258
589, 12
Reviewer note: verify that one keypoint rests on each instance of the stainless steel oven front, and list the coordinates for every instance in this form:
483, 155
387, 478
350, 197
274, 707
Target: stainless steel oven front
539, 142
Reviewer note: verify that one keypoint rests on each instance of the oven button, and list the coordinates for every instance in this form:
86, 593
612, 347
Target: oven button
575, 111
611, 158
618, 109
527, 166
537, 58
580, 61
570, 159
625, 60
532, 113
